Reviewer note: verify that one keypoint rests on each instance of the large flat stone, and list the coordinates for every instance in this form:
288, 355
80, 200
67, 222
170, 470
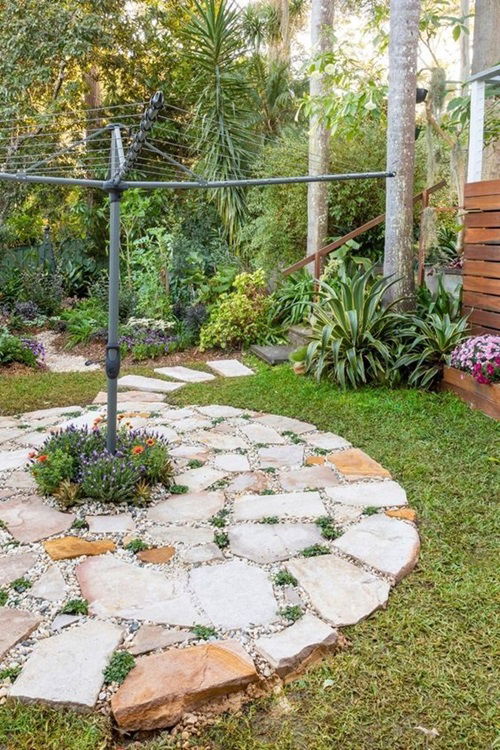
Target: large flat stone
67, 547
261, 433
189, 424
165, 432
229, 368
195, 506
29, 519
162, 687
278, 456
67, 669
219, 441
369, 494
303, 642
355, 464
152, 637
308, 477
54, 412
231, 462
327, 441
13, 459
273, 355
156, 555
130, 396
199, 479
115, 588
390, 545
188, 535
15, 625
197, 452
342, 593
141, 383
285, 424
201, 553
186, 374
283, 505
15, 566
249, 481
85, 420
266, 543
175, 414
217, 411
118, 523
234, 594
50, 585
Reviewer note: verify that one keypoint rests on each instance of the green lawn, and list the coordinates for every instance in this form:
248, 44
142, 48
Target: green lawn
424, 662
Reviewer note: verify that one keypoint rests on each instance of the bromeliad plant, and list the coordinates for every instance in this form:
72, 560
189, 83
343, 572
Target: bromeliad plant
78, 458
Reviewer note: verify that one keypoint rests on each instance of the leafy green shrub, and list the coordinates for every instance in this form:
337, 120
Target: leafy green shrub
43, 288
118, 667
83, 320
15, 349
241, 317
440, 302
292, 301
51, 468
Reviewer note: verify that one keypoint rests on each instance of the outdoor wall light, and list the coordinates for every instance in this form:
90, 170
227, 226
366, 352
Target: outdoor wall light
421, 95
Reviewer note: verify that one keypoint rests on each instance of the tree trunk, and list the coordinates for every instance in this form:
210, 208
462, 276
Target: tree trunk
403, 48
464, 42
322, 12
485, 54
279, 47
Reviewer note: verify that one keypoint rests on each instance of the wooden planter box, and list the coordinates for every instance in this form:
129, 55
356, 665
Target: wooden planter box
478, 396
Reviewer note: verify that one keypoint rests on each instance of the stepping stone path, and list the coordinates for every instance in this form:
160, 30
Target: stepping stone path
185, 374
229, 368
214, 556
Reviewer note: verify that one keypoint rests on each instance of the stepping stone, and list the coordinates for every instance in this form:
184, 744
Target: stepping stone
305, 641
327, 441
32, 439
15, 566
21, 480
133, 407
28, 519
141, 383
229, 368
195, 506
267, 543
219, 441
130, 396
181, 535
177, 413
192, 423
15, 626
346, 514
50, 586
355, 464
216, 411
342, 593
260, 433
285, 424
67, 547
273, 355
115, 588
166, 433
249, 481
199, 479
54, 412
162, 687
13, 459
156, 555
67, 669
63, 621
201, 553
191, 452
8, 434
383, 543
86, 420
369, 494
232, 462
283, 505
234, 594
152, 637
404, 514
185, 374
110, 524
281, 455
308, 477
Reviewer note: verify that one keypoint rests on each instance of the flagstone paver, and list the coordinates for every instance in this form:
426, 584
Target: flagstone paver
229, 368
283, 505
194, 506
15, 624
199, 479
326, 441
29, 519
308, 477
283, 424
219, 441
405, 514
67, 669
355, 464
388, 544
119, 523
67, 547
50, 585
281, 455
267, 543
175, 535
156, 555
233, 462
201, 553
217, 411
64, 621
191, 452
15, 566
235, 594
13, 459
369, 494
192, 423
186, 374
142, 397
249, 481
152, 637
261, 433
142, 383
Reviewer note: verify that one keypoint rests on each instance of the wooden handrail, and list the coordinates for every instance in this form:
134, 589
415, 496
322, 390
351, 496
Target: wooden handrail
355, 233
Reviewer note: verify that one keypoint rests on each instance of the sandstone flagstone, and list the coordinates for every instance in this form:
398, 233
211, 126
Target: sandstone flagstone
405, 514
175, 414
355, 464
200, 479
340, 591
192, 423
67, 547
216, 411
193, 506
326, 441
188, 535
143, 397
233, 462
115, 588
234, 594
308, 477
67, 669
373, 494
267, 543
201, 553
249, 481
141, 383
229, 368
186, 374
15, 566
53, 412
50, 586
118, 523
196, 452
282, 505
20, 480
13, 459
278, 456
15, 625
387, 544
64, 621
285, 424
156, 555
261, 433
306, 640
162, 687
152, 637
219, 441
29, 519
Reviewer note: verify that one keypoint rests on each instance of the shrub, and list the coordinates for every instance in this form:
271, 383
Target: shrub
51, 469
43, 288
15, 349
110, 478
440, 302
147, 338
480, 357
85, 319
292, 301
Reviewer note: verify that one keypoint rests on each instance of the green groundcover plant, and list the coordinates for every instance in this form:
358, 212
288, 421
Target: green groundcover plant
79, 457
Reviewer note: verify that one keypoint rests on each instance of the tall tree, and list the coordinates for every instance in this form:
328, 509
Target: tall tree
322, 13
403, 49
485, 54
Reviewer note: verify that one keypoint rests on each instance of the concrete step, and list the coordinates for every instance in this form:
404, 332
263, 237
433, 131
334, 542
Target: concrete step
273, 355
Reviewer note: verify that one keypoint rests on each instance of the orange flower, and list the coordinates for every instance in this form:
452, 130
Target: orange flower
138, 449
42, 458
150, 441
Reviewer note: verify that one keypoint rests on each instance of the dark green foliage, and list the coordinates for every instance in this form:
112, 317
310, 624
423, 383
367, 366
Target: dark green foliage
10, 673
120, 664
12, 349
204, 631
270, 519
441, 302
220, 518
284, 578
267, 492
370, 510
315, 550
20, 585
328, 528
292, 613
136, 545
195, 463
79, 523
293, 437
43, 288
50, 471
292, 300
178, 489
75, 607
221, 539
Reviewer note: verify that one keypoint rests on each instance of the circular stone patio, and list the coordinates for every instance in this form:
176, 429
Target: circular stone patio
239, 583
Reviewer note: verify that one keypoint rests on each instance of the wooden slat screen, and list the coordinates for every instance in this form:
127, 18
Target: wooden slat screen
481, 274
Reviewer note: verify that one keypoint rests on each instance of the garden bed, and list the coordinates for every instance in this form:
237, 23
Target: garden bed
476, 395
